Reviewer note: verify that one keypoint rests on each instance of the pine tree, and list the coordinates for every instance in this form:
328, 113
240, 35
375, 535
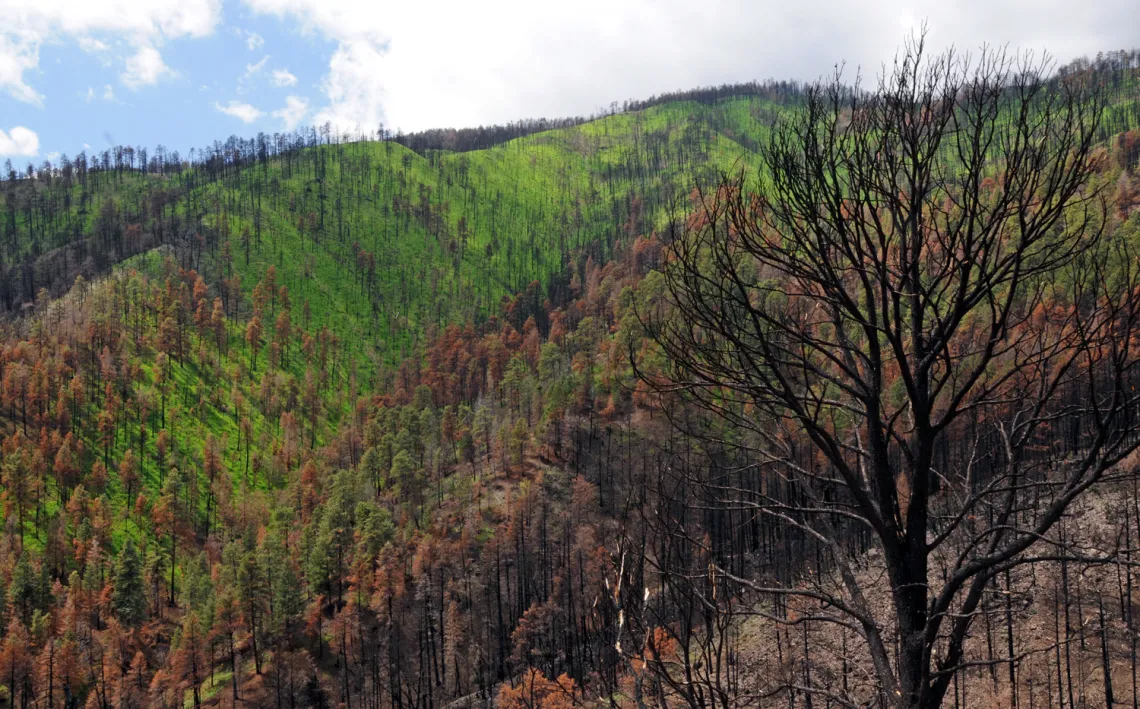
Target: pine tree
188, 661
129, 600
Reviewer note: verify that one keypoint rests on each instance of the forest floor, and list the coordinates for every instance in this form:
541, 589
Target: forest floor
1052, 617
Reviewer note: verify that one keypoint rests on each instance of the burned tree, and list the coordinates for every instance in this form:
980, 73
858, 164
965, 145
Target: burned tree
920, 345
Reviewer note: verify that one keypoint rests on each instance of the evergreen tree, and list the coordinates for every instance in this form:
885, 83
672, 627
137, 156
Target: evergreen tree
129, 601
285, 601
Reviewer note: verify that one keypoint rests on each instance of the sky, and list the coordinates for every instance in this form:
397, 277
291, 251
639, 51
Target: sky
88, 74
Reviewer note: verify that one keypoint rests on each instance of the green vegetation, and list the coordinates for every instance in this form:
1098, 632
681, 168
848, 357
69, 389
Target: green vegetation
303, 421
380, 243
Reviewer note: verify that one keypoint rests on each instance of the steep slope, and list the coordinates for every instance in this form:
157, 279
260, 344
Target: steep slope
381, 241
306, 433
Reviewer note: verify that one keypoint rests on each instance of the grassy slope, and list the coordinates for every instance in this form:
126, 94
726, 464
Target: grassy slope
529, 206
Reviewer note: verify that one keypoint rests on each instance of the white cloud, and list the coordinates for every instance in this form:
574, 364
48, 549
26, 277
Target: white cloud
19, 141
145, 67
294, 110
107, 95
497, 61
92, 45
54, 156
19, 52
98, 48
282, 78
242, 111
143, 25
356, 100
251, 69
254, 41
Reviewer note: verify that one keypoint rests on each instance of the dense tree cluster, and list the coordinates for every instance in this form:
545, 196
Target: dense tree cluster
179, 499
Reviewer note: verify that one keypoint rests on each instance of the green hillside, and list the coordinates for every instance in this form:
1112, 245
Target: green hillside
383, 242
375, 244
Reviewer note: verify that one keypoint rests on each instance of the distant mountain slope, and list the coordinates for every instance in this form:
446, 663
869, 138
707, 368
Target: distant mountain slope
381, 240
384, 242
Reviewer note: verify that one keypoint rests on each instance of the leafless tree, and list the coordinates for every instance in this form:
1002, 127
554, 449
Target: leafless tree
913, 325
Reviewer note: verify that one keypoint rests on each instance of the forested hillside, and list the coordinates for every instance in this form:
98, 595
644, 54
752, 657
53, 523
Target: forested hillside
464, 418
380, 240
